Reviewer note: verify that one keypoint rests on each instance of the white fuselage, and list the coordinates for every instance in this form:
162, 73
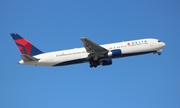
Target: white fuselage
79, 55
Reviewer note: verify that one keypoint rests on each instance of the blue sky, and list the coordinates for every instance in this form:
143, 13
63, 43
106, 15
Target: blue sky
147, 81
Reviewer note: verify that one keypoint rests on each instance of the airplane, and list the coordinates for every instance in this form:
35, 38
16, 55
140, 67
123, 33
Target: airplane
91, 52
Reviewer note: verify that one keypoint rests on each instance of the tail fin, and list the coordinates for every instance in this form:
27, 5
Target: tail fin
24, 46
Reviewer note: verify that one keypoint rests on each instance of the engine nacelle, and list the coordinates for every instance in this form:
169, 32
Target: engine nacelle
114, 53
106, 62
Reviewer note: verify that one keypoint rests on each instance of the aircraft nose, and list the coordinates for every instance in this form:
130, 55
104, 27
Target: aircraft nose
163, 44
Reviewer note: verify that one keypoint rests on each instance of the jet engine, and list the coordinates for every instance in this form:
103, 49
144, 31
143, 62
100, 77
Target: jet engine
106, 62
114, 53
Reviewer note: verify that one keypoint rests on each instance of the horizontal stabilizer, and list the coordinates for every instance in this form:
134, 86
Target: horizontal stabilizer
27, 58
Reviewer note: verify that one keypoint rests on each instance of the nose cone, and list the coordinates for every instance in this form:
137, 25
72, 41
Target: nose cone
163, 44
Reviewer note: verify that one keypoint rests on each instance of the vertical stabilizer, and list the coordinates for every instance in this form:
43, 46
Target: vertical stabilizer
25, 46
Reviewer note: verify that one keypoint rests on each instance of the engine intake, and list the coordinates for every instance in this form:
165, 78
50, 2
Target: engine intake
114, 53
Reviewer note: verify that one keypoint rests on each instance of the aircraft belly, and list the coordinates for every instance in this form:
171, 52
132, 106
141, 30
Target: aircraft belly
70, 59
136, 50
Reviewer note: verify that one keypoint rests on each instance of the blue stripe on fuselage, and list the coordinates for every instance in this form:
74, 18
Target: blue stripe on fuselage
72, 62
134, 54
82, 60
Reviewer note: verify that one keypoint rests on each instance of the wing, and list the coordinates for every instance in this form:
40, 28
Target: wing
96, 53
92, 47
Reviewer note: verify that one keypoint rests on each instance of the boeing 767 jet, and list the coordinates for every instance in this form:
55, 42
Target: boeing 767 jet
91, 53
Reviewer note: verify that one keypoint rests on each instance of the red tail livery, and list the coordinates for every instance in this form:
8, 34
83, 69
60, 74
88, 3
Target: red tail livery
24, 46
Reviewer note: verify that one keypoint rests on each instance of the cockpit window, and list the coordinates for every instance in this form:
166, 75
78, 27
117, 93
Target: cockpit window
159, 41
